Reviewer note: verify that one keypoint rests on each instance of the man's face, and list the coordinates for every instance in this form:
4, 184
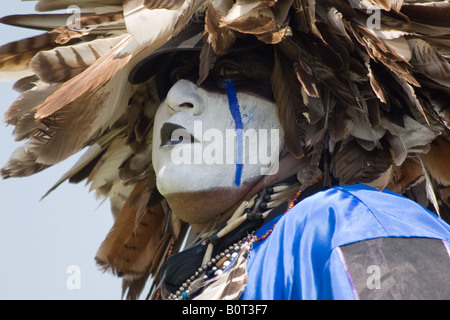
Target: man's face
220, 134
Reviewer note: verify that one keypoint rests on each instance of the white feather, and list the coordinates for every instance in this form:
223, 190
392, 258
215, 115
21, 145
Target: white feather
430, 190
108, 171
155, 27
412, 138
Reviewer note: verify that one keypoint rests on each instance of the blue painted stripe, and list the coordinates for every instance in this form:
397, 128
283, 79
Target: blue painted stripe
239, 127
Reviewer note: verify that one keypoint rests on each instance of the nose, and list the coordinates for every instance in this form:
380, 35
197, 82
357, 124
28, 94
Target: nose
184, 96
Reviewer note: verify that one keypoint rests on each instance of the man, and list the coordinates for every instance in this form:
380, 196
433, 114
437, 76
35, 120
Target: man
277, 135
287, 239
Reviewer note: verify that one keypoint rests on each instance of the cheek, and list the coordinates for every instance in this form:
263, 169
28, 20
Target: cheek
258, 113
217, 113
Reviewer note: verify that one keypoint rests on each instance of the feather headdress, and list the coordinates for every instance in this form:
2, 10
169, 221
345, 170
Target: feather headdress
362, 88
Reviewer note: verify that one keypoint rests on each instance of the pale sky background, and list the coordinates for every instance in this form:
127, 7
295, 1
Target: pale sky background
40, 240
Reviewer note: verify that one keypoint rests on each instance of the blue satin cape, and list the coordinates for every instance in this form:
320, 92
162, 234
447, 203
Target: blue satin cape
300, 260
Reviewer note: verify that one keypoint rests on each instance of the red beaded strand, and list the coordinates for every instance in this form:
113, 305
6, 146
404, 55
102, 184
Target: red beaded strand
290, 206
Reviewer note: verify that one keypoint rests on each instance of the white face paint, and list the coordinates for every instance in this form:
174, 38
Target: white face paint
209, 159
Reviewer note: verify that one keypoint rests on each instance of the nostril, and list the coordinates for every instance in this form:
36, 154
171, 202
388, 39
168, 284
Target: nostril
187, 105
185, 96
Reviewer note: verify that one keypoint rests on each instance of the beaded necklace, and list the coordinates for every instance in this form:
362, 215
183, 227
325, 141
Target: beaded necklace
216, 265
290, 206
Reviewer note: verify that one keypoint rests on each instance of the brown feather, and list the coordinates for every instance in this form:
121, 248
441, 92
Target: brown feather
353, 164
254, 17
287, 93
377, 86
64, 63
28, 101
45, 22
86, 83
50, 5
427, 60
88, 104
380, 51
89, 116
142, 107
99, 23
220, 38
273, 37
409, 174
259, 22
25, 84
339, 128
22, 163
333, 52
106, 170
306, 78
16, 66
33, 44
207, 58
130, 246
437, 161
389, 4
433, 13
303, 15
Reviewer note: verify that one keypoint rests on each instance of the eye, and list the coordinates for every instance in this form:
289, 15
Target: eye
227, 69
180, 72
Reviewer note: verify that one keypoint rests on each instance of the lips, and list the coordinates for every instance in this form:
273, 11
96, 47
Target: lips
170, 138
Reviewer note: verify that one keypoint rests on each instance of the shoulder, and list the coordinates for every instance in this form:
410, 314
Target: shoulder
360, 212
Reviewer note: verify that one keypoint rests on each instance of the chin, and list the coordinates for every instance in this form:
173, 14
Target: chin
198, 206
201, 206
176, 179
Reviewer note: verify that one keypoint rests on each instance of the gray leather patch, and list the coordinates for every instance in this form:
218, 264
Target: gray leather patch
399, 268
